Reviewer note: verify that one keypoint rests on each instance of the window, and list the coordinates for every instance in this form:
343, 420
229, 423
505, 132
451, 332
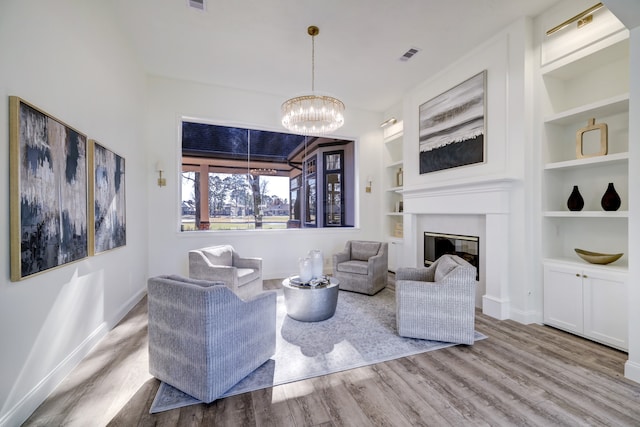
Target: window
311, 200
333, 200
246, 179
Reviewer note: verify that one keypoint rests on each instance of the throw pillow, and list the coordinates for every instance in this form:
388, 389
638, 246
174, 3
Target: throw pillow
362, 251
446, 264
219, 255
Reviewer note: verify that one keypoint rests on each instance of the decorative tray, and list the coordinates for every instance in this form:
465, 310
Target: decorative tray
313, 283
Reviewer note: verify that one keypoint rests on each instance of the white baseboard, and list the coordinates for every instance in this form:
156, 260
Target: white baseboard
526, 317
496, 308
126, 307
632, 371
30, 402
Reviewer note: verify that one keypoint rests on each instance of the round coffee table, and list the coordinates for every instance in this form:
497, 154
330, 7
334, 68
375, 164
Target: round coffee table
308, 303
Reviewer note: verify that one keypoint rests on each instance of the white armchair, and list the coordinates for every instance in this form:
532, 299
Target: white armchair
224, 264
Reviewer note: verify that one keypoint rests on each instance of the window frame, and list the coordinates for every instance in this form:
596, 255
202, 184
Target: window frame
305, 155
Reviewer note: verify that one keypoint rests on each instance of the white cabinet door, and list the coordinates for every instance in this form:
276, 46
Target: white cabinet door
563, 298
591, 302
605, 308
392, 256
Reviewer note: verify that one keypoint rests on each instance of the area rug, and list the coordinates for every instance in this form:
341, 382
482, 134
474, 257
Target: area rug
361, 333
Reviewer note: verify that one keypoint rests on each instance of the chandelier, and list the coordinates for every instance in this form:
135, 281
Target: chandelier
312, 114
263, 171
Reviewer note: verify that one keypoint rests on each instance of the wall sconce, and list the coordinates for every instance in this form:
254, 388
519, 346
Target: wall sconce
388, 122
368, 186
161, 181
583, 18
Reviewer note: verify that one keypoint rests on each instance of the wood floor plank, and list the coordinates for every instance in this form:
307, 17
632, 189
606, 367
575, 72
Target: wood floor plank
521, 375
343, 409
305, 403
361, 383
416, 409
271, 408
506, 399
565, 385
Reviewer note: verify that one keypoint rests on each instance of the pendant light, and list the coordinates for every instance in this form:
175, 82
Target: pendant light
312, 114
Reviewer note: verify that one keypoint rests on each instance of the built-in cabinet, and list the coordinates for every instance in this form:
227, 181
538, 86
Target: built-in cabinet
588, 301
584, 74
393, 183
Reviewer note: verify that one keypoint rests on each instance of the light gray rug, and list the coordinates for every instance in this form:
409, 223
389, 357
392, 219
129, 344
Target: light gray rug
362, 332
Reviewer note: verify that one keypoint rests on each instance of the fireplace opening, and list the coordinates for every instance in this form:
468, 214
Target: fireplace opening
438, 244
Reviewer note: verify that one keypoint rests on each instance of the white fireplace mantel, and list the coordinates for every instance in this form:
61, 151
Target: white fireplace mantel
459, 197
489, 197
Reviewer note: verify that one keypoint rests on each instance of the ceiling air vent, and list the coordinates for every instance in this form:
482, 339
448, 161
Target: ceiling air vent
408, 54
196, 4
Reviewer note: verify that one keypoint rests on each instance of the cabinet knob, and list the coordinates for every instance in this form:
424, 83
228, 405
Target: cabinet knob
584, 275
577, 274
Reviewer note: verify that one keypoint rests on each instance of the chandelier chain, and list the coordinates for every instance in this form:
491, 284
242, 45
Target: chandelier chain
313, 64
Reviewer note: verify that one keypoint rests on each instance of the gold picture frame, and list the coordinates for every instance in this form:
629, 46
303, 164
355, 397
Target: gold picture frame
48, 191
107, 212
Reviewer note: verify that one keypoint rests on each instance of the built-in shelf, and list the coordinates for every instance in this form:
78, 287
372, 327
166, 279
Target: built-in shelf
393, 133
584, 75
393, 164
586, 214
609, 49
588, 162
620, 265
603, 108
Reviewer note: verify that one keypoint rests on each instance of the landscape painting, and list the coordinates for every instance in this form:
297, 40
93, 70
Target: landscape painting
48, 183
452, 127
109, 215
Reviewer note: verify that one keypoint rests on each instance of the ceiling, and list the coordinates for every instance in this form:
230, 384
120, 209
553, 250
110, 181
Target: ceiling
263, 45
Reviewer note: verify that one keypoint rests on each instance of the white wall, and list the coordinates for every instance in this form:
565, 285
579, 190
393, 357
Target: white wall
172, 99
506, 57
66, 57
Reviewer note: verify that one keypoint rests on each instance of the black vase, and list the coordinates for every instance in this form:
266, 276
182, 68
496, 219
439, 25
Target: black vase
575, 201
610, 200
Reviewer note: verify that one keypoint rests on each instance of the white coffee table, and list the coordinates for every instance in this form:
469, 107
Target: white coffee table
310, 304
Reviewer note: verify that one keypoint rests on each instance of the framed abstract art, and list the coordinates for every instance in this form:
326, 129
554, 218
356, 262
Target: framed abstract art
48, 191
452, 127
107, 193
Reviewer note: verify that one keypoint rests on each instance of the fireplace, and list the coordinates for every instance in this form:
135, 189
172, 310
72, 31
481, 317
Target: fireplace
438, 244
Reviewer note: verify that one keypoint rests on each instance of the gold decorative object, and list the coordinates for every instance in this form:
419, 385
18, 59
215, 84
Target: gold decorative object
604, 140
597, 258
398, 230
582, 19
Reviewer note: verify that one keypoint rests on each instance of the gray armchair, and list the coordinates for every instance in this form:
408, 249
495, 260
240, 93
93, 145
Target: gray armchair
362, 266
224, 264
437, 302
203, 339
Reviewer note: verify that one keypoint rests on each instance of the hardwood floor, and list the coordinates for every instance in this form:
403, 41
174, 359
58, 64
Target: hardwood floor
521, 375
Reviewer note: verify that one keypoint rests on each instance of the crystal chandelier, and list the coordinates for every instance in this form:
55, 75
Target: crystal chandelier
263, 171
312, 114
